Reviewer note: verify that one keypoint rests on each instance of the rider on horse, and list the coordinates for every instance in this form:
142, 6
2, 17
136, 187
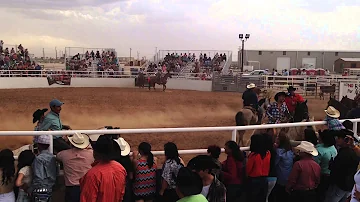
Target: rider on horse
158, 75
278, 111
251, 100
292, 99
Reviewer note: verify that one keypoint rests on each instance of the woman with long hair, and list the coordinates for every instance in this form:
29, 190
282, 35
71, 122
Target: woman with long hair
232, 171
283, 165
144, 186
258, 168
327, 153
169, 172
7, 172
214, 151
272, 178
24, 175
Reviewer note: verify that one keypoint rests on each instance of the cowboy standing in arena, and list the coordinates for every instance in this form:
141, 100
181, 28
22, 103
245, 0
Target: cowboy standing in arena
251, 100
293, 99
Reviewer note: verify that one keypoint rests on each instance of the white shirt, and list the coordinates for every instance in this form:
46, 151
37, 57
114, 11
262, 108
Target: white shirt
205, 190
357, 184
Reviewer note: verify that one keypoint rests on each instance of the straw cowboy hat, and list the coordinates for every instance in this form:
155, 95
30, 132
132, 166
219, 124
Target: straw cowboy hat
332, 112
79, 140
124, 146
307, 147
250, 86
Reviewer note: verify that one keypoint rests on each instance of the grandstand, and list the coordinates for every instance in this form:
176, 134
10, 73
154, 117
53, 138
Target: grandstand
15, 58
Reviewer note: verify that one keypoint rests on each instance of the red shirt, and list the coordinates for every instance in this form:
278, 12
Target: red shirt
232, 171
304, 175
257, 166
103, 182
291, 101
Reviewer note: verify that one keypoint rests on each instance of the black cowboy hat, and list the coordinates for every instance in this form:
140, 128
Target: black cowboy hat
277, 95
38, 114
291, 88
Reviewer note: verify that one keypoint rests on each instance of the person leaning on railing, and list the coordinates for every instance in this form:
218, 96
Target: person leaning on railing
52, 122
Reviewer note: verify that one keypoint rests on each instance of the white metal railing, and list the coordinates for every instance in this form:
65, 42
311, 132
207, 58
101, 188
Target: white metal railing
89, 74
233, 129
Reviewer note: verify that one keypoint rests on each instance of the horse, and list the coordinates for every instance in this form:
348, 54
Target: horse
162, 81
301, 112
140, 81
339, 106
350, 103
247, 116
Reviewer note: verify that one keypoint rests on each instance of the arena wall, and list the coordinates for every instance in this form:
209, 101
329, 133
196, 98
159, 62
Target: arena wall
41, 82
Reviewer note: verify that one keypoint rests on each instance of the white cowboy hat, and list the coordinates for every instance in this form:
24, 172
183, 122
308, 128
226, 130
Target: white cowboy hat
332, 112
124, 146
307, 147
250, 86
79, 140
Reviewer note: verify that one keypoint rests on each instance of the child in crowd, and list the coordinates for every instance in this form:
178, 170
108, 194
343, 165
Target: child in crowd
24, 176
332, 119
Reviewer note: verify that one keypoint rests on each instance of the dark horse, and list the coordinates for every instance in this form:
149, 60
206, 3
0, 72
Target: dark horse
140, 81
301, 112
350, 103
339, 106
162, 81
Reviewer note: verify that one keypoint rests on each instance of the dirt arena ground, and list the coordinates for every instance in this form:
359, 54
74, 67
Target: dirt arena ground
91, 108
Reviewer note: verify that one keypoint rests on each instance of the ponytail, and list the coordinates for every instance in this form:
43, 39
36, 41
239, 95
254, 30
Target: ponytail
150, 160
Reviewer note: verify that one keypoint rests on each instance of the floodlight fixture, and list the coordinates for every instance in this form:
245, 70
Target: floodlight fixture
247, 36
241, 36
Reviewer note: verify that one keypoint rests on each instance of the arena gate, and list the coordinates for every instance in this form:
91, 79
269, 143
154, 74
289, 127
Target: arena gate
229, 83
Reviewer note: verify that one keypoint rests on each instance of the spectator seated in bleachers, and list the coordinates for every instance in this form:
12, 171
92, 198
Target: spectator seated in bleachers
17, 60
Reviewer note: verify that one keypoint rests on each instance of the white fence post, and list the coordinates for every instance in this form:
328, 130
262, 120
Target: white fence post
233, 136
51, 146
355, 130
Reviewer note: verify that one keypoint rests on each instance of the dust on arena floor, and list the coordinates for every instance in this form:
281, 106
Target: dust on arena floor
91, 108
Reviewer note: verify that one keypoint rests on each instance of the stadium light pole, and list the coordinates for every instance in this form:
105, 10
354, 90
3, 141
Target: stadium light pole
243, 39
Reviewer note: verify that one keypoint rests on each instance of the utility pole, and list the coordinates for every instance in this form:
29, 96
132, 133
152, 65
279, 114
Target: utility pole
156, 54
43, 53
130, 56
55, 53
241, 37
138, 55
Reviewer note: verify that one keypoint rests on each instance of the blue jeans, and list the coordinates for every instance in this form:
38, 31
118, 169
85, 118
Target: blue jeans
335, 194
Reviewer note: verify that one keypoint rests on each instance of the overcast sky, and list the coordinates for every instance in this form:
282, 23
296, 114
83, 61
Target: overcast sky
180, 24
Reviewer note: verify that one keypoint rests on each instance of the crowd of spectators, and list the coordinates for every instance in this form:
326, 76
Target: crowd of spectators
18, 59
105, 61
320, 168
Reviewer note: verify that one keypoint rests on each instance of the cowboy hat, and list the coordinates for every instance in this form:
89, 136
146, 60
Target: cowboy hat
277, 95
124, 146
332, 112
250, 86
38, 113
307, 147
79, 140
291, 88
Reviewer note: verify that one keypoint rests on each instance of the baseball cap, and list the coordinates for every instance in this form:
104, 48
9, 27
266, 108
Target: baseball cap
43, 139
56, 103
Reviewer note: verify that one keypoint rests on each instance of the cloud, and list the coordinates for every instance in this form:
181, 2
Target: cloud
181, 24
63, 4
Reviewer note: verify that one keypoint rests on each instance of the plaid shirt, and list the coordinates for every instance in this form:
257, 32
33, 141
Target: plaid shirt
276, 114
217, 191
333, 123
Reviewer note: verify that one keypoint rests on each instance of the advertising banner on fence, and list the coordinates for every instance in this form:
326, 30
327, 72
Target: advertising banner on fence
349, 89
63, 79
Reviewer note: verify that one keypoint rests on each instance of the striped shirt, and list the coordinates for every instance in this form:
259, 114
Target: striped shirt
145, 179
103, 182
